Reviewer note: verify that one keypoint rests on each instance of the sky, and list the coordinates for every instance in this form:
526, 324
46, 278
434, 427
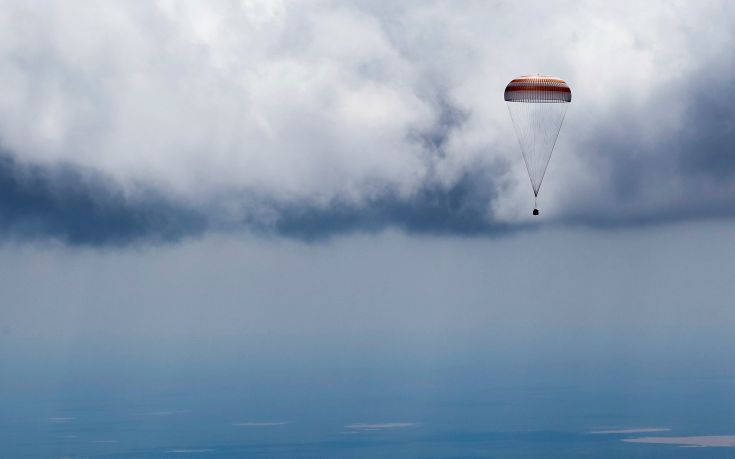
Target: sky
333, 189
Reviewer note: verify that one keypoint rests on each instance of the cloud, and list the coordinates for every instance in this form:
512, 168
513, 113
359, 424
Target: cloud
261, 424
703, 441
629, 431
66, 204
150, 122
167, 413
61, 420
461, 209
682, 169
81, 207
380, 426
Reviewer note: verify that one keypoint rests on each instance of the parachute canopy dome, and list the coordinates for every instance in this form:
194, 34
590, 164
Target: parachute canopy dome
538, 89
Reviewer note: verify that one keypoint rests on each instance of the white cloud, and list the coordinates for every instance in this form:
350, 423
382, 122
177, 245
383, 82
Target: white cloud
167, 412
315, 101
261, 424
702, 441
61, 420
380, 425
630, 431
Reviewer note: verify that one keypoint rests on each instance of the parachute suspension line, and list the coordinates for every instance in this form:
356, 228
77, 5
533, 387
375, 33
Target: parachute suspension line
537, 125
555, 137
521, 129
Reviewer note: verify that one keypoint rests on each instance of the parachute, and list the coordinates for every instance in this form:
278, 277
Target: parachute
537, 106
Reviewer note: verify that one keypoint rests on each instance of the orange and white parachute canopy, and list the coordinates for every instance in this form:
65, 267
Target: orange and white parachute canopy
538, 89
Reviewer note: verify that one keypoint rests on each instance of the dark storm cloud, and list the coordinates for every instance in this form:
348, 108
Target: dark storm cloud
707, 143
82, 208
686, 172
461, 209
62, 203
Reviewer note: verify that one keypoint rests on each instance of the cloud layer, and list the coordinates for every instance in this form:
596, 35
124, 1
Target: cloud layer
156, 120
66, 204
